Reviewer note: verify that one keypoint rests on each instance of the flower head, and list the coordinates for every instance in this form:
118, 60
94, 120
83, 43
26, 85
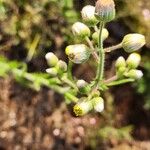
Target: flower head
78, 53
51, 59
88, 15
80, 30
133, 60
133, 42
105, 10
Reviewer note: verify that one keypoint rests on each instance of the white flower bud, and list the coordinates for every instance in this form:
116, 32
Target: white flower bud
105, 10
120, 62
95, 35
83, 86
135, 74
51, 59
133, 42
52, 71
121, 71
98, 104
80, 30
81, 83
88, 15
78, 53
61, 66
133, 60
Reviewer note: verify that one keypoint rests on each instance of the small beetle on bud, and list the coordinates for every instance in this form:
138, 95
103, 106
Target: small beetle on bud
105, 10
51, 59
133, 42
52, 71
83, 86
88, 15
133, 60
78, 53
98, 104
120, 62
95, 35
135, 74
83, 108
80, 30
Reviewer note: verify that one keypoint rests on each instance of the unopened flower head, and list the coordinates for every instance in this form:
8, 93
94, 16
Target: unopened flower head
88, 15
105, 10
52, 71
133, 60
81, 83
80, 30
98, 104
82, 108
95, 35
61, 66
83, 86
121, 71
78, 53
135, 74
133, 42
120, 62
51, 59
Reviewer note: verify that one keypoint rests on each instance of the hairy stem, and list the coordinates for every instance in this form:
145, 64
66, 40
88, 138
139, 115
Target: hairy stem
112, 48
94, 53
113, 78
120, 82
100, 68
69, 71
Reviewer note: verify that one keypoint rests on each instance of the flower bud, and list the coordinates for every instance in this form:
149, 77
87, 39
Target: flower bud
95, 35
83, 108
88, 15
78, 53
80, 30
51, 59
135, 74
61, 66
133, 60
133, 42
121, 71
105, 10
52, 71
83, 86
120, 62
98, 104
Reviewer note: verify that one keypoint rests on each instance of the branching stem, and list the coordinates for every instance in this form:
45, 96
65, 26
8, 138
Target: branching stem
94, 53
112, 48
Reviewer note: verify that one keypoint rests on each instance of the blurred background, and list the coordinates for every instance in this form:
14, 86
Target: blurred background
41, 120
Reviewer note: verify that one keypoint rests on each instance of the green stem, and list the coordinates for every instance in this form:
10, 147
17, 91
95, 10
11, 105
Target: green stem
69, 82
69, 71
100, 68
51, 83
72, 97
93, 51
120, 82
112, 48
